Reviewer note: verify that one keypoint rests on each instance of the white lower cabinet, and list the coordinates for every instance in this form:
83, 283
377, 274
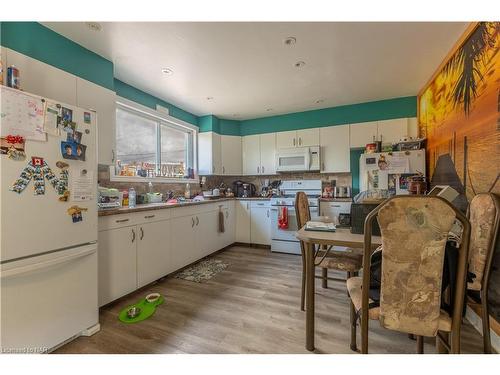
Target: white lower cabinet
138, 248
117, 263
153, 252
242, 221
260, 223
230, 224
183, 241
206, 232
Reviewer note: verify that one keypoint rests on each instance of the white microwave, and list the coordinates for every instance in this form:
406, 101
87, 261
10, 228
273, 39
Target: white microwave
298, 159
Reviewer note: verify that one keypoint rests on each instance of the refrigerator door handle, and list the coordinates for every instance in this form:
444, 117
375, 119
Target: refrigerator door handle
52, 262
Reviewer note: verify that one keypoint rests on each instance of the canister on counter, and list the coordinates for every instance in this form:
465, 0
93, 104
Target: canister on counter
13, 79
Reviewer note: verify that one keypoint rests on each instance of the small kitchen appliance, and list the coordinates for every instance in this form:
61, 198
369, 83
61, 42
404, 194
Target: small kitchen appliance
238, 188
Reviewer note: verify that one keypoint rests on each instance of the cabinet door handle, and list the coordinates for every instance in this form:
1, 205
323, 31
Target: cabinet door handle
262, 169
267, 213
223, 170
294, 141
122, 220
133, 235
258, 169
197, 221
149, 216
192, 222
142, 234
300, 141
323, 166
113, 156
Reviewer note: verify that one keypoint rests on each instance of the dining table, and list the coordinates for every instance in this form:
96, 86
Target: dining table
311, 238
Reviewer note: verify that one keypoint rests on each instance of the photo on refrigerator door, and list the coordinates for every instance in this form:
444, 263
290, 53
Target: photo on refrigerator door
73, 150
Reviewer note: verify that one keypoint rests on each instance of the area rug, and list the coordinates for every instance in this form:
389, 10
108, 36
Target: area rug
202, 271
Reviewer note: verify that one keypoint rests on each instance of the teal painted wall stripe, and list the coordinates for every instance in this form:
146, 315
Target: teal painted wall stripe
41, 43
370, 111
129, 92
209, 123
229, 127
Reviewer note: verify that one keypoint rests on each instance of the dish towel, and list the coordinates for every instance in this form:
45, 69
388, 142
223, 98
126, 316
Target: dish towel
283, 218
221, 222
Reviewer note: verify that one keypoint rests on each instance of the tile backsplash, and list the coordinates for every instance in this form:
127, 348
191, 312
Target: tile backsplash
335, 179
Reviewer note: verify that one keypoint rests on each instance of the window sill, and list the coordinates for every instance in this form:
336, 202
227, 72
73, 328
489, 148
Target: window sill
155, 180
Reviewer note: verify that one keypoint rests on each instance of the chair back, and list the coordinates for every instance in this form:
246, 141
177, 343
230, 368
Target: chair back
484, 217
414, 232
302, 209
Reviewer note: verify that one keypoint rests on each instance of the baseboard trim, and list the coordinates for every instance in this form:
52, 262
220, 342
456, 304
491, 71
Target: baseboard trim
476, 321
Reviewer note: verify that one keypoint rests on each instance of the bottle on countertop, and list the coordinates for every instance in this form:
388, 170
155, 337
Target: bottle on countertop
187, 192
131, 197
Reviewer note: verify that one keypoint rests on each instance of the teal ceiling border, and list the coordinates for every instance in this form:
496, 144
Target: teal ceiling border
131, 93
347, 114
41, 43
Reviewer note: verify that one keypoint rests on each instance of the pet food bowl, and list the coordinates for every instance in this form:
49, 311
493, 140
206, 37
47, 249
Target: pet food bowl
133, 312
153, 297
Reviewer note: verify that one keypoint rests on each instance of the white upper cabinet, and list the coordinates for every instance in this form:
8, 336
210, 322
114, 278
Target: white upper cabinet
286, 139
231, 155
308, 137
268, 153
251, 154
392, 131
42, 79
209, 153
103, 101
297, 138
413, 127
259, 154
335, 153
363, 133
387, 131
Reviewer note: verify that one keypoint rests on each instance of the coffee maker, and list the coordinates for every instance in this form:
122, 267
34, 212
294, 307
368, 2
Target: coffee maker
243, 189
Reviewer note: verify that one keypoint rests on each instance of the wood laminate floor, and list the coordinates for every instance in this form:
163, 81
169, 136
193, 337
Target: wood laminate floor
251, 307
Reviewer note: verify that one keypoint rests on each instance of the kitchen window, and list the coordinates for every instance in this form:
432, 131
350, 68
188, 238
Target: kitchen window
152, 145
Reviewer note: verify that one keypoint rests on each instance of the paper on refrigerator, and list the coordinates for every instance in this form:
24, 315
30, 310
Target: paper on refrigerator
22, 114
82, 185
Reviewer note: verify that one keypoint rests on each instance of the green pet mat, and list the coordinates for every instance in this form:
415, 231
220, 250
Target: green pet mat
147, 310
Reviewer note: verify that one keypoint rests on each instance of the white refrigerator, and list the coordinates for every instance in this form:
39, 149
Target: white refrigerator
389, 170
48, 222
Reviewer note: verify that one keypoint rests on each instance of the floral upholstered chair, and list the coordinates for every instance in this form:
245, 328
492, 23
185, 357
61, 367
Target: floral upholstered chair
484, 217
414, 232
348, 261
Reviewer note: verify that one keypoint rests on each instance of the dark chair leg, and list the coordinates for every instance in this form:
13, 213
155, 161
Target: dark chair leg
324, 278
420, 344
354, 319
486, 324
303, 290
440, 347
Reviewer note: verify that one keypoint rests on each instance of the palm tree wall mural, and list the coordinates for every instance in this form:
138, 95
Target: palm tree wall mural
469, 61
460, 108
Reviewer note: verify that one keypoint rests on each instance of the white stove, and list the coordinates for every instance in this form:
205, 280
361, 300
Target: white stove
283, 240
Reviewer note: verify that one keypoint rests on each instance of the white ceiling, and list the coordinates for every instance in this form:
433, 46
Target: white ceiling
247, 68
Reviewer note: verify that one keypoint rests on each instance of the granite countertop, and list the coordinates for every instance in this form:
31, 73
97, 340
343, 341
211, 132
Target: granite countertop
163, 205
335, 199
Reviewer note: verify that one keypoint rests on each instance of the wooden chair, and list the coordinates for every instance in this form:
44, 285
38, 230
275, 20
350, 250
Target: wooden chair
414, 232
484, 217
349, 261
